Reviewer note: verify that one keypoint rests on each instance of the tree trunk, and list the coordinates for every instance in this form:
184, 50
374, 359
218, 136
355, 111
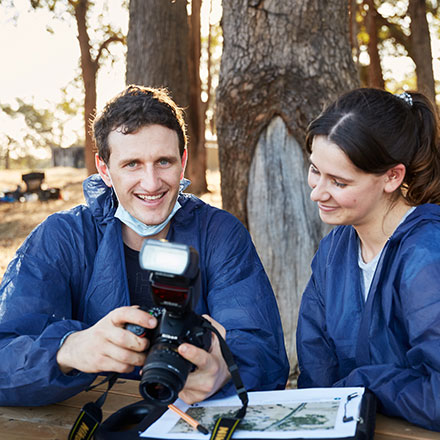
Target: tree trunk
89, 69
7, 158
375, 76
157, 56
282, 61
209, 89
196, 169
421, 48
353, 8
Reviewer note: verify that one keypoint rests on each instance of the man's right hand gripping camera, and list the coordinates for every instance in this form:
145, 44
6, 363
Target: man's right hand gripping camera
175, 286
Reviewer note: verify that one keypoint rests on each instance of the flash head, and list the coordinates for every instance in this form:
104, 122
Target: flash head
168, 258
174, 273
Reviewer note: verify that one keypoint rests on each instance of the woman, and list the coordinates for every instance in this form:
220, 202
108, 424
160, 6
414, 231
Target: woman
370, 314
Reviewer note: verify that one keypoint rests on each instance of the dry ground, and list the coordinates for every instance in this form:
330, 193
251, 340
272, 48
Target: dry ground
18, 219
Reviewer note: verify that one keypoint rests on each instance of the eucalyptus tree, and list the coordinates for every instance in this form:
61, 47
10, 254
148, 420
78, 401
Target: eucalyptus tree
282, 61
94, 41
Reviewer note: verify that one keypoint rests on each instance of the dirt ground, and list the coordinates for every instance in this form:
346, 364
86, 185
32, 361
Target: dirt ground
18, 219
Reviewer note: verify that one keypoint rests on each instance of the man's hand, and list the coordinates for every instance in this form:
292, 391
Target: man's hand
211, 372
107, 346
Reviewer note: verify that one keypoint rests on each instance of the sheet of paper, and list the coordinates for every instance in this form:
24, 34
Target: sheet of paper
305, 413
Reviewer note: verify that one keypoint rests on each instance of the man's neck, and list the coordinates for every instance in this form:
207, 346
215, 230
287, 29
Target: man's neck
134, 241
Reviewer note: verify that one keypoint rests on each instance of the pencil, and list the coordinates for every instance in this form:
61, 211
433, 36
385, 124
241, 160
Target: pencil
194, 423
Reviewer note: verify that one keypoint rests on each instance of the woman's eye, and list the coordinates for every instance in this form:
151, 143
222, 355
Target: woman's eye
313, 169
339, 184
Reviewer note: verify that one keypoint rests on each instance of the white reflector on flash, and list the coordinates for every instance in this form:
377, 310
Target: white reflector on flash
163, 256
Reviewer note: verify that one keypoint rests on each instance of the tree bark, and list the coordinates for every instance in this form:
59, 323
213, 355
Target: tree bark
375, 76
158, 49
196, 169
421, 48
353, 8
282, 61
88, 69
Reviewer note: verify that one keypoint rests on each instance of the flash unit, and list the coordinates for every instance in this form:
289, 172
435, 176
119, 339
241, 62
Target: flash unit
174, 274
163, 256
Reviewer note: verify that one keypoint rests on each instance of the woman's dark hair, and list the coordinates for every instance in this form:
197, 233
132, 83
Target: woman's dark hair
136, 107
378, 130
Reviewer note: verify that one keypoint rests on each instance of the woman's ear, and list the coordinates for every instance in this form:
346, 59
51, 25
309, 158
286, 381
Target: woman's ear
394, 177
102, 168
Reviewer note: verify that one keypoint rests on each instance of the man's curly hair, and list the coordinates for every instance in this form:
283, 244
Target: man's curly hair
133, 108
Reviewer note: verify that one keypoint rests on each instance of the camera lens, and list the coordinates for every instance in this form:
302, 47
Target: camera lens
158, 391
159, 387
164, 374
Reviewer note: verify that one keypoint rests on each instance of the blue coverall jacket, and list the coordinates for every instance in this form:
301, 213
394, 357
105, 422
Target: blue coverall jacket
70, 272
390, 343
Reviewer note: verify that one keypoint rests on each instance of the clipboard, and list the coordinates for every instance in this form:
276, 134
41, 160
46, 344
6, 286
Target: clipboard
130, 421
367, 419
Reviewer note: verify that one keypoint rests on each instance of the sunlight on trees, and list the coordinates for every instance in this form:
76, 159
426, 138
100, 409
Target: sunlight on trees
33, 130
396, 57
398, 45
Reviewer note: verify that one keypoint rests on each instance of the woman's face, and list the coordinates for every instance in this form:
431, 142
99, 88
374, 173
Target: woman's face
345, 194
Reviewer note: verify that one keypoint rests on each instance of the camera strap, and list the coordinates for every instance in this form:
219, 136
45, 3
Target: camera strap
90, 415
225, 426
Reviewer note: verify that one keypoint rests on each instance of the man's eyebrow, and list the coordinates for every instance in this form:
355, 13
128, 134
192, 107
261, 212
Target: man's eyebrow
127, 160
169, 158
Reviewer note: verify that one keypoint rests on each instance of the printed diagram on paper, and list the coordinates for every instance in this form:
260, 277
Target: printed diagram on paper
309, 413
275, 417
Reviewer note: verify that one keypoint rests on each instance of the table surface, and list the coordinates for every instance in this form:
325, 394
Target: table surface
53, 422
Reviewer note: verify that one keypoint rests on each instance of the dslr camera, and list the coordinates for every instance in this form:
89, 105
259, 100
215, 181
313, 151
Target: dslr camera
175, 286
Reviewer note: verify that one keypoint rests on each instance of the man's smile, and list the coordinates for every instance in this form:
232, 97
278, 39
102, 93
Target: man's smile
153, 197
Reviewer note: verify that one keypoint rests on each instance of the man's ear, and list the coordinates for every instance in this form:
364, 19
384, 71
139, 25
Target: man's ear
394, 177
102, 168
184, 162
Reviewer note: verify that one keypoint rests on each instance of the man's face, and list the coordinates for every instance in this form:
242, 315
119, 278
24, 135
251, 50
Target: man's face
145, 169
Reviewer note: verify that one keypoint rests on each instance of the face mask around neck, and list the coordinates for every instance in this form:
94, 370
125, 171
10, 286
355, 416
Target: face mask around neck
141, 228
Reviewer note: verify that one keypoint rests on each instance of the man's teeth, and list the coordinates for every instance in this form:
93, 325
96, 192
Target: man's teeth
143, 197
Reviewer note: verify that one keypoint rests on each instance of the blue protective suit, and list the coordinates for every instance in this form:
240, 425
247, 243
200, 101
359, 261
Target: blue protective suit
70, 272
390, 343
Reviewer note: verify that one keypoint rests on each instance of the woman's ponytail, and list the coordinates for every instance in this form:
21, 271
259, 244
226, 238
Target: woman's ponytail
422, 180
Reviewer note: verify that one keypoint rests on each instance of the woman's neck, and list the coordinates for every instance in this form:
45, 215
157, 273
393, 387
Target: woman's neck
373, 237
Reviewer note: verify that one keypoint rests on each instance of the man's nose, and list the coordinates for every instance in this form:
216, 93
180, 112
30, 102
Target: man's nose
150, 180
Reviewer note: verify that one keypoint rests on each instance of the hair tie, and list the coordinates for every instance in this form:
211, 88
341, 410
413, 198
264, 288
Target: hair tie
405, 96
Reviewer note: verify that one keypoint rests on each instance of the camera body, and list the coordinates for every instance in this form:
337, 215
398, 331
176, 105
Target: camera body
175, 286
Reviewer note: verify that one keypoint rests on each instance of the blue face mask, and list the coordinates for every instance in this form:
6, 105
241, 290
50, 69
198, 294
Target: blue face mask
141, 228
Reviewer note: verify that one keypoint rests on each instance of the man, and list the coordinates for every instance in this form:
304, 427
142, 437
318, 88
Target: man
76, 282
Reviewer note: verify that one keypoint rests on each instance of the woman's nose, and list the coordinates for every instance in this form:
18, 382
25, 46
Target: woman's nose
319, 191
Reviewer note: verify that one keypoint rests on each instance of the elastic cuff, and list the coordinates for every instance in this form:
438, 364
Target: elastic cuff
64, 338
